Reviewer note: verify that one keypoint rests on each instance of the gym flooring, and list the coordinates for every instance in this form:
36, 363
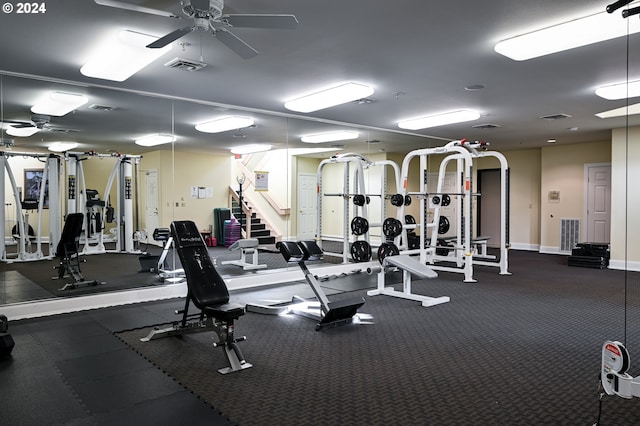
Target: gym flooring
518, 349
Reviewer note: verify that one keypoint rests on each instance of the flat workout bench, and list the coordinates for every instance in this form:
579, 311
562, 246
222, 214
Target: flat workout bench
208, 292
247, 247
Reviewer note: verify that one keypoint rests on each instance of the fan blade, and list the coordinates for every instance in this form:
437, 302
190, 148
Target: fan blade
234, 43
170, 38
286, 22
136, 8
22, 125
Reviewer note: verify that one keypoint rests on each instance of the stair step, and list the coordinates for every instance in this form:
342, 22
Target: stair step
260, 233
266, 240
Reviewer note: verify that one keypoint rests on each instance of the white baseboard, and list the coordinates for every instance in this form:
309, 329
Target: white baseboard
624, 266
524, 246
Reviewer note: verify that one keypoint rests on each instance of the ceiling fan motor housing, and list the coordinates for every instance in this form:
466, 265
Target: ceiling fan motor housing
203, 8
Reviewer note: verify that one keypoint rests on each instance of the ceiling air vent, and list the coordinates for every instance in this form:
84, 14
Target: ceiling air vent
555, 116
486, 126
185, 64
102, 107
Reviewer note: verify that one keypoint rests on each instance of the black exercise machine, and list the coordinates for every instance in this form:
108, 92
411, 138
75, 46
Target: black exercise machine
208, 292
330, 314
67, 251
6, 341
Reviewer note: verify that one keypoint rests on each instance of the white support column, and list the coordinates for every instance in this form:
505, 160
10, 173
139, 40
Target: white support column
55, 211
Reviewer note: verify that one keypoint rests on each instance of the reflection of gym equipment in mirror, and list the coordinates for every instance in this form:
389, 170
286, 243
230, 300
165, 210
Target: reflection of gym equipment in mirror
208, 292
359, 225
69, 255
165, 273
329, 314
247, 247
47, 190
99, 211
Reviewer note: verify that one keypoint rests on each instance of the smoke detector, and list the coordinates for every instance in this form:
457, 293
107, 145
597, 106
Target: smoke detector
486, 126
185, 64
555, 117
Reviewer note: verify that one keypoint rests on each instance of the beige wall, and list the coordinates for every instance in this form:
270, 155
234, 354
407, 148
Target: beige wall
562, 169
625, 173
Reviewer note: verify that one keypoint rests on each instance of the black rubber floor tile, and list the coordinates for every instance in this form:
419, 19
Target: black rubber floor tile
102, 365
181, 408
125, 390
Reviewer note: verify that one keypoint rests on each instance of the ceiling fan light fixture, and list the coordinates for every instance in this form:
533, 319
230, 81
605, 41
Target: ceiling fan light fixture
62, 146
567, 35
619, 91
439, 120
120, 57
22, 132
333, 96
156, 139
250, 148
58, 103
330, 137
223, 124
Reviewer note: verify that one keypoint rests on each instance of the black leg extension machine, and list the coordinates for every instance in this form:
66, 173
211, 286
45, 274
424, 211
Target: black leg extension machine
67, 251
330, 314
208, 292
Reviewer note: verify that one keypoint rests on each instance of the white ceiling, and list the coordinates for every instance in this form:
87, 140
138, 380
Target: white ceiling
418, 55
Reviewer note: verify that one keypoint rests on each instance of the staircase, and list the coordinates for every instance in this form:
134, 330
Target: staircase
259, 230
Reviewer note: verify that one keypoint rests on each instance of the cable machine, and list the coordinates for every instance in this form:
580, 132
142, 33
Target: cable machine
50, 182
98, 212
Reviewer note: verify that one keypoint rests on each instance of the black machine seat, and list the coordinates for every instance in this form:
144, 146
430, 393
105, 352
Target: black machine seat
67, 251
161, 234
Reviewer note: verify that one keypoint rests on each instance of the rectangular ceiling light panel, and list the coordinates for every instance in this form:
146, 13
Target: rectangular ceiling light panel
620, 90
224, 124
330, 137
153, 140
338, 95
120, 57
568, 35
21, 132
58, 103
439, 120
620, 112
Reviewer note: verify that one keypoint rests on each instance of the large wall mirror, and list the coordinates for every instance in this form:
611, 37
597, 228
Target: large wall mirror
190, 176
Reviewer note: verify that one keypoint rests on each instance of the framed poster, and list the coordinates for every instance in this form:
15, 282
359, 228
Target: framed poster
33, 181
262, 181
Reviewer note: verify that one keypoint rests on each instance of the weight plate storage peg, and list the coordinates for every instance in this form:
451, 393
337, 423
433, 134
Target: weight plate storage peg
361, 251
387, 249
397, 200
391, 227
359, 225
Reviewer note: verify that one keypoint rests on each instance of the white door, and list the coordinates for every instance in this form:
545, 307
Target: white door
151, 203
307, 206
599, 204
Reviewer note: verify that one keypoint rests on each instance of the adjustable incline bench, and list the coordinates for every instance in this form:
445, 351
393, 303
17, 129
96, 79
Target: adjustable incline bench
330, 314
67, 251
208, 292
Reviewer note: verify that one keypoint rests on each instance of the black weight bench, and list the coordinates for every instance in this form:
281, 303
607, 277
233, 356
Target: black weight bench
67, 251
330, 314
208, 292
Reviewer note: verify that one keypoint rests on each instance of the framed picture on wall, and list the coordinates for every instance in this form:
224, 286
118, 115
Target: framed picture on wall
33, 180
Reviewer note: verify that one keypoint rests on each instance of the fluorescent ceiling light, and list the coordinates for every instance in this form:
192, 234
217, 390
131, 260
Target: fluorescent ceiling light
439, 120
22, 132
122, 56
569, 35
620, 90
620, 112
342, 94
62, 146
153, 140
224, 124
250, 149
330, 137
58, 103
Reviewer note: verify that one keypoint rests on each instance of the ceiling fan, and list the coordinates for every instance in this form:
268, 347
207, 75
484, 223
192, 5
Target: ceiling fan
38, 122
208, 16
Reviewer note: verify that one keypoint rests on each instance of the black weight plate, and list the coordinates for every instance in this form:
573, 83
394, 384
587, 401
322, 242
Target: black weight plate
361, 251
387, 249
